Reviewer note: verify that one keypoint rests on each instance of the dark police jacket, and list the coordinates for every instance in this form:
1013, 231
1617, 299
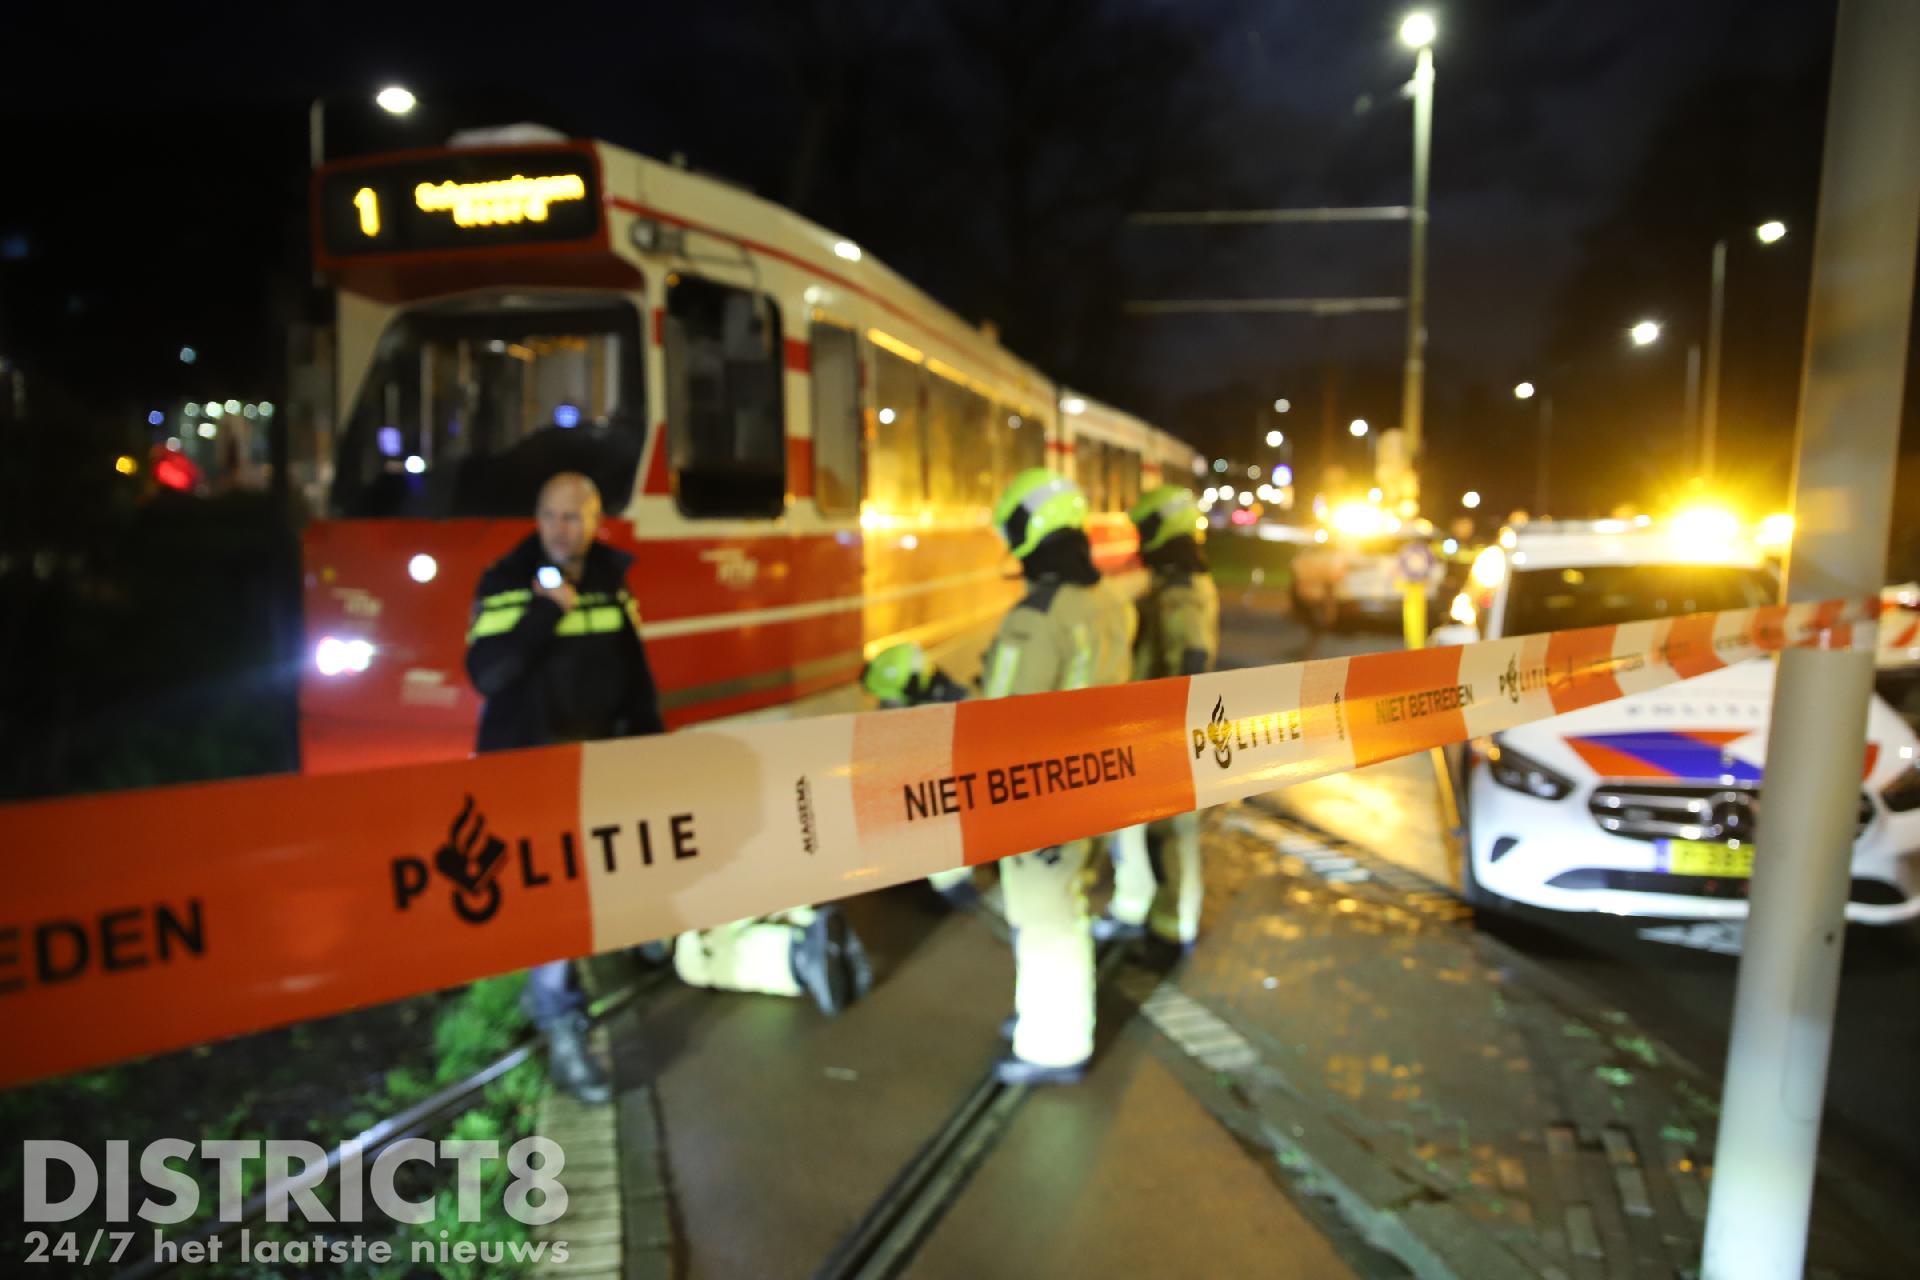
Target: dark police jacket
550, 676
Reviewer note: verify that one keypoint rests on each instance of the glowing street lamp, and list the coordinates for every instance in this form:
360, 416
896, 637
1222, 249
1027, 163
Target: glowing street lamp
1418, 29
1470, 499
1357, 428
1645, 333
396, 100
1275, 439
1772, 231
1527, 391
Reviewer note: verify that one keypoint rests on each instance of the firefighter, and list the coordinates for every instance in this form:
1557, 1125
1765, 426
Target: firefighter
554, 647
1071, 631
1179, 635
901, 675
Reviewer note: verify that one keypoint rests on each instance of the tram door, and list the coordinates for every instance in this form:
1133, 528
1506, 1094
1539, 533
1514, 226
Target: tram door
838, 442
836, 421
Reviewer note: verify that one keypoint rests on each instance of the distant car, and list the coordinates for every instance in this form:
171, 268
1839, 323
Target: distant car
1645, 806
1348, 577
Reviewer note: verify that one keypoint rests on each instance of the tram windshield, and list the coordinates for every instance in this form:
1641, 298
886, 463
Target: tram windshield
467, 410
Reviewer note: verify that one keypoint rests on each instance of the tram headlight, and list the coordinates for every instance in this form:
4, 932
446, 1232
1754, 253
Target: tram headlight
338, 655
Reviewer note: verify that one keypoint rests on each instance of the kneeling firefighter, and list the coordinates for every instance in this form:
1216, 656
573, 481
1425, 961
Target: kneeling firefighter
1179, 635
1072, 631
901, 675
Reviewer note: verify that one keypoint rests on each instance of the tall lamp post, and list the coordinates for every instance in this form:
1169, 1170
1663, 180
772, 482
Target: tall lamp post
1527, 391
1644, 334
395, 100
1417, 32
1766, 233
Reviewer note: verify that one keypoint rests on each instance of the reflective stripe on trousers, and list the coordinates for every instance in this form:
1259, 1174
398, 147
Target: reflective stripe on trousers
747, 955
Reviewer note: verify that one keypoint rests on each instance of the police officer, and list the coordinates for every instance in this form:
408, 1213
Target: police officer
554, 647
1179, 635
901, 675
1071, 631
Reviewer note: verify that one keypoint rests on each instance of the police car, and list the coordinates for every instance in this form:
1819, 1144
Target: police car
1646, 805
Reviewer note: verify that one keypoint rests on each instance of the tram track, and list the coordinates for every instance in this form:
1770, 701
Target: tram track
409, 1122
889, 1234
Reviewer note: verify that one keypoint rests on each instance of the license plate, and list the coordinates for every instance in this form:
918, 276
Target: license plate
1704, 858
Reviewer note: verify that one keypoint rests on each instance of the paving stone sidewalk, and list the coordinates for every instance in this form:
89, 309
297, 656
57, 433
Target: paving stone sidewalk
1471, 1114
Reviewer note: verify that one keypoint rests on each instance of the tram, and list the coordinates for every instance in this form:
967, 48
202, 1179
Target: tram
799, 448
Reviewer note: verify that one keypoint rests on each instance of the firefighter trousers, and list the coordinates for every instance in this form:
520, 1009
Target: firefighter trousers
1046, 903
747, 955
1163, 892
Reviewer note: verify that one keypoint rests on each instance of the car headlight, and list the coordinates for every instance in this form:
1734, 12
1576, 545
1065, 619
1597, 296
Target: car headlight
1903, 793
1517, 772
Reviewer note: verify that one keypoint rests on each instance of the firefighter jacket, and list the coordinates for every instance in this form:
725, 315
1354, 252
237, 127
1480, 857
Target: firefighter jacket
1064, 635
1179, 624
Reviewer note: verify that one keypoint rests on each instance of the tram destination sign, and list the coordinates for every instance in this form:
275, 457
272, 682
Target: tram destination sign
459, 200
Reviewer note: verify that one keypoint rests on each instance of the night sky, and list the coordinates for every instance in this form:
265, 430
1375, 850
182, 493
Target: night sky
1586, 156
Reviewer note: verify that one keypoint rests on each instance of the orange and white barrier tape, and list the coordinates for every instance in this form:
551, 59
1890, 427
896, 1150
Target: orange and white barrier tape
143, 921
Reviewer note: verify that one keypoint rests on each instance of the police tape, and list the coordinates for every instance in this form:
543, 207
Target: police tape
145, 921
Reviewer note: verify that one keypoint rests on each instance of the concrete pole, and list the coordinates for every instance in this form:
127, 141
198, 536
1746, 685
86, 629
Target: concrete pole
1414, 383
1857, 331
1546, 454
1690, 406
1716, 322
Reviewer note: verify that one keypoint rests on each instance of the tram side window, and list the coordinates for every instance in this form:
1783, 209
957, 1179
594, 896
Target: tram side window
1002, 443
960, 453
896, 455
1090, 471
726, 424
836, 420
1027, 445
1125, 482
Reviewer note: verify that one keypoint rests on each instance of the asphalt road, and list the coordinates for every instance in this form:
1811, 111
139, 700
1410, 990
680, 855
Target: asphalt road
1675, 979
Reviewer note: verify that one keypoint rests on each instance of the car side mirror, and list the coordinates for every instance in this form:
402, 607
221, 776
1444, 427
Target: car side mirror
1452, 634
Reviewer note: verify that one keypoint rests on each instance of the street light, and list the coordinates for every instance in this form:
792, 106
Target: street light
396, 100
1770, 232
1645, 333
1527, 391
1281, 406
1470, 499
1274, 439
1357, 428
1418, 31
